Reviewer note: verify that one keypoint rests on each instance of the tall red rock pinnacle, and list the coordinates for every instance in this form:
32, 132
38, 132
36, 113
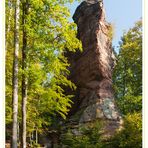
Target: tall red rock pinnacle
91, 70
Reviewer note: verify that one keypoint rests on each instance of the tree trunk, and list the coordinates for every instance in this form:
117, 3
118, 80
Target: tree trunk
24, 77
30, 140
36, 136
18, 137
15, 76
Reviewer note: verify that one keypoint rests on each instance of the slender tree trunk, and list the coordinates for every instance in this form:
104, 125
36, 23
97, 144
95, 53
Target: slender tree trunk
18, 129
36, 136
30, 140
15, 76
24, 77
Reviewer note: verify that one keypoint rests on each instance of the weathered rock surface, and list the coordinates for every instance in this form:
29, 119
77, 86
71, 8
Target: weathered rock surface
91, 70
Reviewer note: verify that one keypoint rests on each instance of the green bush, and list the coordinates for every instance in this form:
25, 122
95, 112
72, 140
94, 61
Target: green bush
131, 135
89, 137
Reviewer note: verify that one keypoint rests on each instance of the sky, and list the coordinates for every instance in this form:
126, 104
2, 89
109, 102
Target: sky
121, 13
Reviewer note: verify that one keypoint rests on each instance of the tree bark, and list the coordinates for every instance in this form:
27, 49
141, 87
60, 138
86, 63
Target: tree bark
15, 76
24, 77
36, 136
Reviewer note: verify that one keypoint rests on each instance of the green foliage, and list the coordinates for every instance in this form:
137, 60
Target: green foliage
111, 31
128, 71
89, 137
49, 36
128, 88
131, 135
34, 144
9, 60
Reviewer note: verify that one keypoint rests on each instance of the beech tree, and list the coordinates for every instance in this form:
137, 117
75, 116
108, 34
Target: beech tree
128, 88
25, 5
45, 34
128, 72
15, 75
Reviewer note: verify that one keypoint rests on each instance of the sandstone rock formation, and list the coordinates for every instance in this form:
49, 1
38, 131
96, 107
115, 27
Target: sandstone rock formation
91, 70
